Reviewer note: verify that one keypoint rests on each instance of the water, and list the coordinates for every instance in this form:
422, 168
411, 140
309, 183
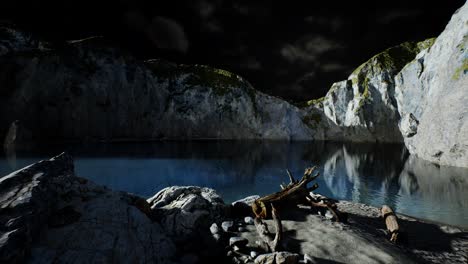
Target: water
374, 174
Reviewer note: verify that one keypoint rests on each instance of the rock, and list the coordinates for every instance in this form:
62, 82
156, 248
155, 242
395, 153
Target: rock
217, 237
238, 241
249, 220
214, 229
329, 215
363, 108
308, 259
187, 212
78, 221
282, 257
241, 229
228, 226
253, 254
409, 125
55, 89
432, 89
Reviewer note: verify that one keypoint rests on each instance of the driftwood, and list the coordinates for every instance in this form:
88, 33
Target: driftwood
270, 244
296, 192
391, 222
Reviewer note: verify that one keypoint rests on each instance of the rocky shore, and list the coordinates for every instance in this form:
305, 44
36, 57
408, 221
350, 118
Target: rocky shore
49, 214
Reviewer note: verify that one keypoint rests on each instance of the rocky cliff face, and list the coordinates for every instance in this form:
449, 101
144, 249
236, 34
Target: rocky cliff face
86, 90
432, 97
363, 107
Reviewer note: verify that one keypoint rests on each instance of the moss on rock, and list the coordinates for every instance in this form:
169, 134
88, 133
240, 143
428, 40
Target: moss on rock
462, 69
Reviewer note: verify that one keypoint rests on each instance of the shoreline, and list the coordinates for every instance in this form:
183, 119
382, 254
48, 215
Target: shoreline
52, 214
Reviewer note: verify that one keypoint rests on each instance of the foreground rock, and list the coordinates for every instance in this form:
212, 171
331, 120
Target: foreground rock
187, 214
50, 215
432, 97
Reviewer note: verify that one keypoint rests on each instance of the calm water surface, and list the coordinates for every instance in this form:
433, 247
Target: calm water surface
373, 174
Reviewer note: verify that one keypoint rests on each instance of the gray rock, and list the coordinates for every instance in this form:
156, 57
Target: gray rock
362, 108
241, 229
253, 254
187, 212
309, 260
249, 220
78, 221
130, 99
227, 226
238, 241
214, 229
433, 88
329, 215
217, 237
282, 257
409, 125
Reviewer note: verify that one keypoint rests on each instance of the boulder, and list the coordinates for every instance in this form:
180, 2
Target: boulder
431, 94
187, 212
48, 215
282, 257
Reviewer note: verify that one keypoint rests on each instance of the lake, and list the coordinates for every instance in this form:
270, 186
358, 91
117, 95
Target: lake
373, 174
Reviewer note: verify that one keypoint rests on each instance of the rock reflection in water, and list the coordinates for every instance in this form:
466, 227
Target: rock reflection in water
374, 174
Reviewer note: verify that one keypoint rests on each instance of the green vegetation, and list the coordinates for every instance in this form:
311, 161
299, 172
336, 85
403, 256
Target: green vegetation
221, 81
461, 69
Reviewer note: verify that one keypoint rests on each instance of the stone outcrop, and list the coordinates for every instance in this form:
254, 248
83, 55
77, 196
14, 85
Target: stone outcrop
48, 214
113, 96
432, 97
187, 212
363, 107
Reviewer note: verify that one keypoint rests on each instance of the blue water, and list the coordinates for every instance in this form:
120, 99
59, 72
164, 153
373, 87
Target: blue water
373, 174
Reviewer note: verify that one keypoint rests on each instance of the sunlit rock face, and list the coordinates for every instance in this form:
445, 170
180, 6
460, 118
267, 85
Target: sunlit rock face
434, 89
85, 90
363, 107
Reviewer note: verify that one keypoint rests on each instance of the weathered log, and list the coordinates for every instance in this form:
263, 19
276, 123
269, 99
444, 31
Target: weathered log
294, 193
391, 222
270, 244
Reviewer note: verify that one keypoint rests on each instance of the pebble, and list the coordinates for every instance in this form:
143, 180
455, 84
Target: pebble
241, 229
253, 254
227, 226
308, 259
214, 229
217, 237
328, 215
249, 220
238, 241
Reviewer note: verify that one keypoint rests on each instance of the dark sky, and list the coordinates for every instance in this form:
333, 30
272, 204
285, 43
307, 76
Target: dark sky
292, 49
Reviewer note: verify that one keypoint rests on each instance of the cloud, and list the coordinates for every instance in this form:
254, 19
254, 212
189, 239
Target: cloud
393, 16
166, 33
308, 49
